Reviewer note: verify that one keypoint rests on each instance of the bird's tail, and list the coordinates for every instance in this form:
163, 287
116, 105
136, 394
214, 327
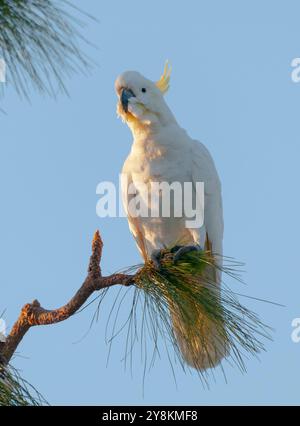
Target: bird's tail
204, 344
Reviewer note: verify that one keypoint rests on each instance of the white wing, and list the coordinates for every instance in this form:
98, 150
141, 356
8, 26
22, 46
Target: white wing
204, 170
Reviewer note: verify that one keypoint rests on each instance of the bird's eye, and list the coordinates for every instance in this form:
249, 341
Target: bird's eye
144, 90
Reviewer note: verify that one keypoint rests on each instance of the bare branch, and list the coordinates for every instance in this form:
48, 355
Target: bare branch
32, 314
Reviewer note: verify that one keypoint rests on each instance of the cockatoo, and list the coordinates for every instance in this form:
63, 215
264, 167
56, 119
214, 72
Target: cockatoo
163, 152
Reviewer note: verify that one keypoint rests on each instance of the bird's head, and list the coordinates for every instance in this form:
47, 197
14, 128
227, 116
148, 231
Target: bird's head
141, 101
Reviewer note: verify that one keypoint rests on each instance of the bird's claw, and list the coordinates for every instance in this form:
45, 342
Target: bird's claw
178, 251
156, 257
185, 249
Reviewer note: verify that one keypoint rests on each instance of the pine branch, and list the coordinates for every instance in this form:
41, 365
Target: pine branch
33, 314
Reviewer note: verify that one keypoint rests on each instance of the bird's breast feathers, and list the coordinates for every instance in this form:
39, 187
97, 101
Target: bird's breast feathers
170, 157
159, 158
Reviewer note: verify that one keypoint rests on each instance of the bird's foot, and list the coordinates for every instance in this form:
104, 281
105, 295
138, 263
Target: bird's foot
156, 256
178, 251
181, 250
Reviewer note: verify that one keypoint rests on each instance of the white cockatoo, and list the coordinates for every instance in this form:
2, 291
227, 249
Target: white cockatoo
163, 152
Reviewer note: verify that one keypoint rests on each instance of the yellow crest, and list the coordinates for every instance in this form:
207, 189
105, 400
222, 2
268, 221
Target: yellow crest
164, 82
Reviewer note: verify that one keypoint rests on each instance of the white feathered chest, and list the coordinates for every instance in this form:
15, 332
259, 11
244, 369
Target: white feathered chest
164, 157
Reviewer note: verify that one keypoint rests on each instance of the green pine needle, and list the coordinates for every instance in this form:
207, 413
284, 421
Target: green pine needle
176, 294
39, 43
15, 391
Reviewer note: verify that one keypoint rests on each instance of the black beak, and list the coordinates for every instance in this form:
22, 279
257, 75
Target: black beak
125, 96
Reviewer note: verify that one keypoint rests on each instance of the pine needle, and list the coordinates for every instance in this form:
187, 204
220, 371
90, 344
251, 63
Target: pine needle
175, 294
39, 43
15, 391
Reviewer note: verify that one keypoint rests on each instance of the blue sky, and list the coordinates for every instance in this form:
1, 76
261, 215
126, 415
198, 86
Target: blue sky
231, 88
